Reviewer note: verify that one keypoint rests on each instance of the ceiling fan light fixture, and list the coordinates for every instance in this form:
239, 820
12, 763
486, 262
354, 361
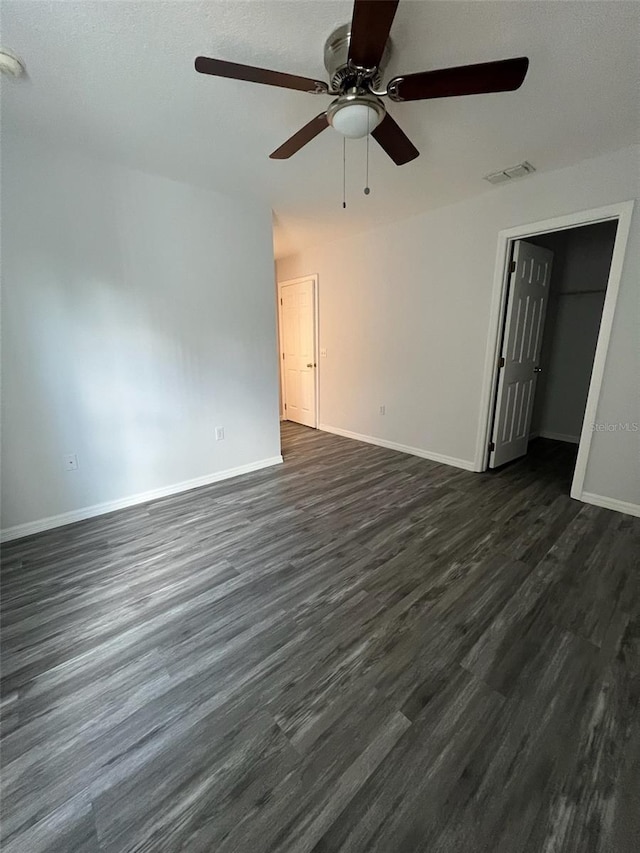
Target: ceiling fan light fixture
355, 116
10, 64
355, 56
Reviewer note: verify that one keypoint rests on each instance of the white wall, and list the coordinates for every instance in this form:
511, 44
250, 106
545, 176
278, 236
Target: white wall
581, 263
138, 315
404, 313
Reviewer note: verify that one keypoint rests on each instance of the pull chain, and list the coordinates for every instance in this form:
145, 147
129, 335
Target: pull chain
344, 172
366, 187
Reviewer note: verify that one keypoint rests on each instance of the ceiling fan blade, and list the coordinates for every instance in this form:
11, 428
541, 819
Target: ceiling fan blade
390, 136
370, 26
304, 135
502, 76
220, 68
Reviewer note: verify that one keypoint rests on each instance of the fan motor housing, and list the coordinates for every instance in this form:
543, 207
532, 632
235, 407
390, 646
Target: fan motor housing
343, 76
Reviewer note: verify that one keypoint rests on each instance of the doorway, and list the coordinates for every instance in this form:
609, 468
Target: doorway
554, 298
298, 340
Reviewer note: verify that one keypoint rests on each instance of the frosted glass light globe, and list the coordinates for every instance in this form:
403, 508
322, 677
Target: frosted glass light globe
355, 120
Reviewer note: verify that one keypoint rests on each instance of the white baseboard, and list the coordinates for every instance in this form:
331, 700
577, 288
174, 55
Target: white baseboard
403, 448
610, 503
20, 530
559, 436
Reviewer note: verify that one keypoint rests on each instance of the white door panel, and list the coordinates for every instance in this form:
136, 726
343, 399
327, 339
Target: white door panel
297, 314
524, 325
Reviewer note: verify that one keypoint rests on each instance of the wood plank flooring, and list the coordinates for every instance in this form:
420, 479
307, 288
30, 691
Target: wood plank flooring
358, 650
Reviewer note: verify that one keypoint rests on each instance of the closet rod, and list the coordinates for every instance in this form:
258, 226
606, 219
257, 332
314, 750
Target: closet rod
576, 292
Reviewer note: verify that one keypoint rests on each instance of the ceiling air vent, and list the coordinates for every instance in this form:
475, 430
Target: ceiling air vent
505, 175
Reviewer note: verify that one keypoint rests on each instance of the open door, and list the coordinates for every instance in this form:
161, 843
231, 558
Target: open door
530, 275
298, 343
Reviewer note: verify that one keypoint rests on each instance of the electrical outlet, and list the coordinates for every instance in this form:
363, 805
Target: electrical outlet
383, 410
219, 433
323, 352
70, 462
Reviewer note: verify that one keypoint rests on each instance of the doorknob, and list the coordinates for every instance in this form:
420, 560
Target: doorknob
537, 370
309, 365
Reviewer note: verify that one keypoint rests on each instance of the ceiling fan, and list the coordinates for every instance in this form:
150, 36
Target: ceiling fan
354, 56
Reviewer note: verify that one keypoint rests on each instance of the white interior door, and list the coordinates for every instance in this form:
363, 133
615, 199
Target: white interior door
522, 340
297, 335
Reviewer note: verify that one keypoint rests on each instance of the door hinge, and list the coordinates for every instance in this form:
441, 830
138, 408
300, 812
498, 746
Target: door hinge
281, 301
283, 355
512, 267
501, 361
492, 446
285, 405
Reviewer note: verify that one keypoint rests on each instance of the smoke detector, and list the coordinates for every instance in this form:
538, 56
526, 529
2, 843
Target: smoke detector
10, 64
505, 175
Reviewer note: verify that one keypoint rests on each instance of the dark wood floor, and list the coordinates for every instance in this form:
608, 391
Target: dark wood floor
357, 650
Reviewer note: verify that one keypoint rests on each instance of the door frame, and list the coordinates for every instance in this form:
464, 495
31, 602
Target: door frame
621, 212
316, 338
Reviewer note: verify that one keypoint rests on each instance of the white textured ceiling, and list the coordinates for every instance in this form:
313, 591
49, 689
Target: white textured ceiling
116, 79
